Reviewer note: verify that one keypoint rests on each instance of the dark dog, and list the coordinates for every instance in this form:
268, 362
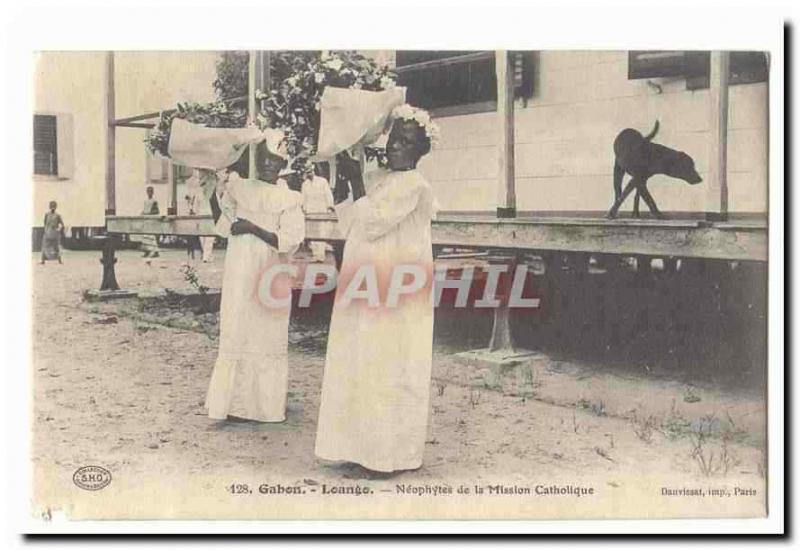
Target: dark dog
639, 157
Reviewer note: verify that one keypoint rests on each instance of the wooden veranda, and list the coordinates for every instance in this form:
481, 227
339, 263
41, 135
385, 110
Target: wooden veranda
713, 235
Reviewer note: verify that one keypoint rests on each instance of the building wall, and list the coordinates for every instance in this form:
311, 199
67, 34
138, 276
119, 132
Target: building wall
80, 194
147, 82
564, 136
72, 84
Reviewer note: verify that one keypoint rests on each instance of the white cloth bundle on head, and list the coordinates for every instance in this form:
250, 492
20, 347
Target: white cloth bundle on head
213, 148
350, 117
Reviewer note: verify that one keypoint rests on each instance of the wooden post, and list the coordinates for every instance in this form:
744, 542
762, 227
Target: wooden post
506, 194
251, 109
111, 204
717, 184
172, 209
109, 280
258, 77
262, 75
501, 338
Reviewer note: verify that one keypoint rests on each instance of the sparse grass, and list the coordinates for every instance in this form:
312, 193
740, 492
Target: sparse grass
474, 397
597, 407
711, 459
527, 381
690, 395
442, 382
675, 425
644, 427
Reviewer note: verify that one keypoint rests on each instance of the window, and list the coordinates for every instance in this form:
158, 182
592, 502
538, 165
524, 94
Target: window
458, 82
52, 146
695, 66
181, 173
157, 168
45, 145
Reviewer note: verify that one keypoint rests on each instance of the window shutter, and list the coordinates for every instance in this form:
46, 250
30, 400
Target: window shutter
523, 67
745, 68
45, 145
656, 64
442, 79
66, 151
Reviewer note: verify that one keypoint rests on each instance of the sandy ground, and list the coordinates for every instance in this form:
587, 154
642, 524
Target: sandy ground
114, 390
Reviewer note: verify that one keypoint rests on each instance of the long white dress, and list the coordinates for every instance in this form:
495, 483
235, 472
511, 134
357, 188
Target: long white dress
250, 377
317, 199
376, 384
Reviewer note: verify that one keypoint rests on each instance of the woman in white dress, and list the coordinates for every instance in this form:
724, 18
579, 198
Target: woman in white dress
376, 384
264, 224
317, 199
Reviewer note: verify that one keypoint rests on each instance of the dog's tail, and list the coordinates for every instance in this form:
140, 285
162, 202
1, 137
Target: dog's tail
653, 132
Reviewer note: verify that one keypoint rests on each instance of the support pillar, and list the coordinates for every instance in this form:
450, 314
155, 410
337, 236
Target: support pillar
717, 184
110, 114
506, 193
502, 353
258, 78
501, 339
172, 209
108, 260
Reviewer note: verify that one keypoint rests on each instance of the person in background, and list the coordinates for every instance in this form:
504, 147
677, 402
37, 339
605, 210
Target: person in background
317, 199
53, 228
149, 242
192, 241
200, 189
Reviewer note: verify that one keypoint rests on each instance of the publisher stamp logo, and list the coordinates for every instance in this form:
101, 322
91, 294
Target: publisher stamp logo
91, 478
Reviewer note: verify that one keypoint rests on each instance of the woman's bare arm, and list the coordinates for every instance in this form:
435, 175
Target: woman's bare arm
243, 226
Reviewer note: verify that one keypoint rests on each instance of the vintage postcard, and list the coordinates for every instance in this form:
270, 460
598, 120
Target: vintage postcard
401, 284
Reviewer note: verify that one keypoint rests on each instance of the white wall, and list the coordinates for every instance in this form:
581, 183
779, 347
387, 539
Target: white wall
564, 137
71, 83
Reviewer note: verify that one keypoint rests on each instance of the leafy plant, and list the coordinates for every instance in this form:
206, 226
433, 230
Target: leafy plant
190, 275
690, 396
292, 103
675, 425
231, 81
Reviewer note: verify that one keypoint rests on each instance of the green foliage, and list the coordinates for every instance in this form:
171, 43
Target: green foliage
292, 104
231, 81
190, 275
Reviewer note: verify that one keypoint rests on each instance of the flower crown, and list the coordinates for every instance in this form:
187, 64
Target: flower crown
421, 117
